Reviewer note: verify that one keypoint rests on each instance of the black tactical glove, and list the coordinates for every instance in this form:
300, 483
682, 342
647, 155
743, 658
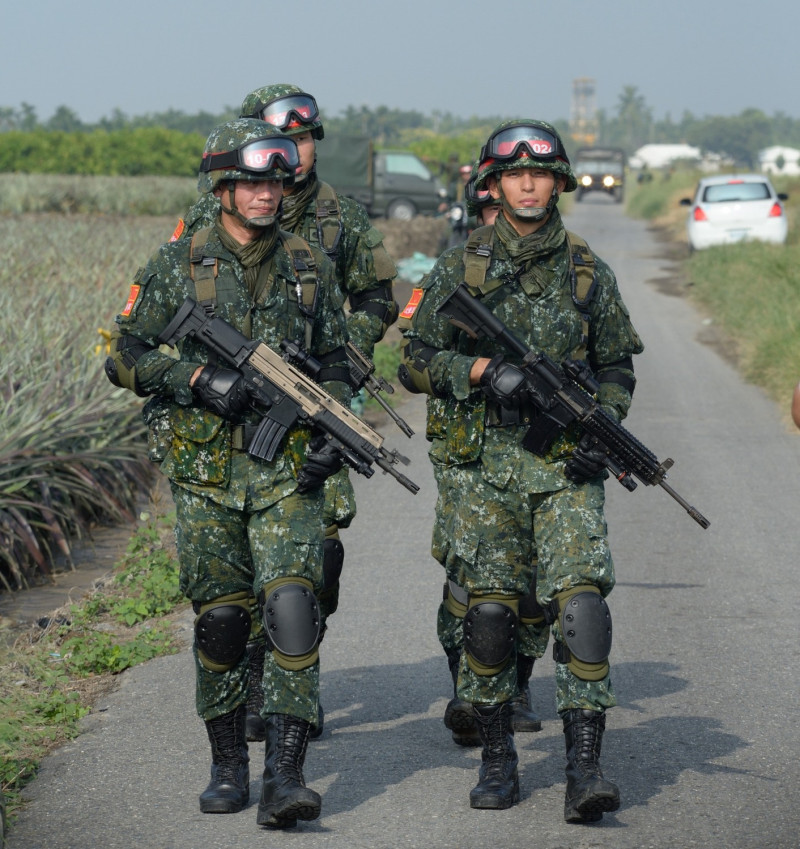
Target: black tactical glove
504, 383
322, 461
586, 461
222, 391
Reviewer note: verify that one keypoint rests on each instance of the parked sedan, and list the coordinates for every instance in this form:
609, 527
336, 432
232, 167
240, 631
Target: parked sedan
734, 208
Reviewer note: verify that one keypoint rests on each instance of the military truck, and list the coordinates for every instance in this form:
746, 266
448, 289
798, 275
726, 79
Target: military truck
389, 183
600, 169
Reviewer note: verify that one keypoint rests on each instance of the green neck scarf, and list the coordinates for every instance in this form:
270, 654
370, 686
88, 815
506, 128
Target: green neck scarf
294, 205
531, 253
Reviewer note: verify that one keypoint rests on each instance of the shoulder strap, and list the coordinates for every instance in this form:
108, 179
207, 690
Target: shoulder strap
477, 256
203, 270
329, 220
305, 273
583, 280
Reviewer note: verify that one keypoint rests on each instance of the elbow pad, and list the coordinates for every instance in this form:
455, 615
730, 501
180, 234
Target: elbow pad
414, 372
379, 302
120, 366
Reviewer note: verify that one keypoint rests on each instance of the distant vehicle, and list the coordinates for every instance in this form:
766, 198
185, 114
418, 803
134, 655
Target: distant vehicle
389, 183
600, 169
734, 208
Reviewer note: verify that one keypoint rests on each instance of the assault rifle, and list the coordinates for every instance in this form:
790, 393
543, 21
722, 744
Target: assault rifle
286, 395
360, 369
562, 395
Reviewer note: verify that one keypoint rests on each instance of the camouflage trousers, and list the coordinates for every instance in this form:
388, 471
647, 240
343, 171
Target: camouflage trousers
223, 551
488, 539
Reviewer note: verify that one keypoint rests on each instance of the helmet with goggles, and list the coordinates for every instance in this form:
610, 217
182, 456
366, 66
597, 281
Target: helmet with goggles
286, 107
476, 199
247, 149
525, 144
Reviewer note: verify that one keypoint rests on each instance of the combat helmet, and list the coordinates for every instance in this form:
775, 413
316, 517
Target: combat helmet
525, 143
247, 149
286, 107
476, 199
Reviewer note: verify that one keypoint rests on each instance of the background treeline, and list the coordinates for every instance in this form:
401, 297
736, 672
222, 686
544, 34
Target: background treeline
170, 142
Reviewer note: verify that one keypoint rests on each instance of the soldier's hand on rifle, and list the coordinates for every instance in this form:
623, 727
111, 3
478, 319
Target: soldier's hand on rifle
221, 390
587, 461
504, 383
322, 461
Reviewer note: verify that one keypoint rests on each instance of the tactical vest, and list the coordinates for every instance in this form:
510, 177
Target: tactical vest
583, 279
203, 271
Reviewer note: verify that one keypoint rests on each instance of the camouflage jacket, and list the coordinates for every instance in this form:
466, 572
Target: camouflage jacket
361, 263
194, 445
548, 321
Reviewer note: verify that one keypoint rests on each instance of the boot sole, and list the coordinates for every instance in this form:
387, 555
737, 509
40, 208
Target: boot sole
221, 806
591, 809
286, 817
493, 801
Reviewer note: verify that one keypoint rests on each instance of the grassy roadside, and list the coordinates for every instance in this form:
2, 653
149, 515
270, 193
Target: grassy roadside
750, 292
54, 673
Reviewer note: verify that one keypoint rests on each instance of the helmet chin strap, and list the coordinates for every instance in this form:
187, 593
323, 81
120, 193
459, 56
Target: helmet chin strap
530, 213
259, 222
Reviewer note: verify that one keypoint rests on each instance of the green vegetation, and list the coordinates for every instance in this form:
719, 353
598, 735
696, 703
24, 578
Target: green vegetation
752, 290
73, 448
52, 675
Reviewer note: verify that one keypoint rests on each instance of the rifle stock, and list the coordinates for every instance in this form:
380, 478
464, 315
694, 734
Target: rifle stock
562, 395
284, 395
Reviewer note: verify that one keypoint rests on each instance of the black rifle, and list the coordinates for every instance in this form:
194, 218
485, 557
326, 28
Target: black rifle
562, 395
285, 396
362, 373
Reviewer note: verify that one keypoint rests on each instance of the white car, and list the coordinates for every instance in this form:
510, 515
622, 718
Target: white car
734, 208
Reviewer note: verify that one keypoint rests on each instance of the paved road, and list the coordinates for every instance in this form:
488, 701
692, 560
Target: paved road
705, 744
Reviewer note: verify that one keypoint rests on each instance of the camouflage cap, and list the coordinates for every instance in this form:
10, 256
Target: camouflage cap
558, 161
229, 137
255, 102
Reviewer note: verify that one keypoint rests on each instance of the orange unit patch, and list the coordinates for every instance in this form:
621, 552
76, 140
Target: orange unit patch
178, 232
131, 299
413, 302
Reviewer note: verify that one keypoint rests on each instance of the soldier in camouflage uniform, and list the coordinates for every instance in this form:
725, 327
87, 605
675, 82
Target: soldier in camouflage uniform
246, 529
364, 273
499, 504
482, 209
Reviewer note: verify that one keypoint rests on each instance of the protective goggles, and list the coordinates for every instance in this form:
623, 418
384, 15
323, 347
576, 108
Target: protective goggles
510, 142
294, 110
256, 157
480, 197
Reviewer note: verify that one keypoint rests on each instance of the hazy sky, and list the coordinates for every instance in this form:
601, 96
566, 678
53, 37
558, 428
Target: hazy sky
467, 57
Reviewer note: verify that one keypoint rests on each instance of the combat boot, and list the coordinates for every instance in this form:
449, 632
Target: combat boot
229, 789
588, 794
524, 717
498, 781
256, 651
284, 795
458, 716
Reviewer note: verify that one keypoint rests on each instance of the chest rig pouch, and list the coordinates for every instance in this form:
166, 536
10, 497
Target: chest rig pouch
329, 221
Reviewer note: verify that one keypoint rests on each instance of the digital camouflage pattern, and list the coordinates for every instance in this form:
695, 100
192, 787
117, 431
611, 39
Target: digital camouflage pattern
220, 491
519, 505
221, 555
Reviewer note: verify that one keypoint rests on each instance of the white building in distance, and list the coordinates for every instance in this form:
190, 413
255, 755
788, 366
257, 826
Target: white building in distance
780, 160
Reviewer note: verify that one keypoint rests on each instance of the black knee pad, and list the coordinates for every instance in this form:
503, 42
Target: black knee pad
490, 632
291, 617
585, 622
332, 562
221, 631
